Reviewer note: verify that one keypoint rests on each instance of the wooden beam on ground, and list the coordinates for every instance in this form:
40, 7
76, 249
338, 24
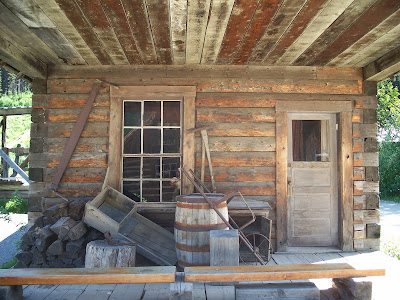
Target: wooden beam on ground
87, 275
383, 67
278, 272
25, 62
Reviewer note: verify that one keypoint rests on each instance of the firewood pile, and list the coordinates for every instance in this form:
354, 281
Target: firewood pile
57, 239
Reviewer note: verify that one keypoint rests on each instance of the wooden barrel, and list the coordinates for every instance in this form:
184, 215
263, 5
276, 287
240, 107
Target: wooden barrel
194, 218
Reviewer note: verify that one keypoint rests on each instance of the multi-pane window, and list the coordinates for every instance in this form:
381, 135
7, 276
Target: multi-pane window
152, 149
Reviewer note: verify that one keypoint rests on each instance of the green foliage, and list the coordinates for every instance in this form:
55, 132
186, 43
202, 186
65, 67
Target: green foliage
10, 264
391, 247
13, 100
388, 111
389, 169
15, 205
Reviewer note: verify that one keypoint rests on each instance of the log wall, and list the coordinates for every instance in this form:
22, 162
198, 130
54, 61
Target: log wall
238, 102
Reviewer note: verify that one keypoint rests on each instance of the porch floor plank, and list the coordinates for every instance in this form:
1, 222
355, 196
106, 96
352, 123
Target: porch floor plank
127, 291
153, 291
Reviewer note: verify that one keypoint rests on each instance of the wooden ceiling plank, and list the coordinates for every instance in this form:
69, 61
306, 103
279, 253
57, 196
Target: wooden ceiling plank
178, 9
307, 14
242, 13
327, 16
23, 61
136, 14
95, 15
159, 17
220, 12
197, 18
262, 17
76, 17
383, 67
21, 34
56, 15
282, 19
119, 23
376, 14
388, 30
351, 14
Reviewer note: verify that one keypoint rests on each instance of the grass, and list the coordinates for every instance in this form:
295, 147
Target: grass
391, 247
9, 264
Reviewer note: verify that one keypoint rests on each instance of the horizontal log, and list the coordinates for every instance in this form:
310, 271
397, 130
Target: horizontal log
72, 190
367, 244
315, 106
68, 100
234, 100
257, 188
238, 129
71, 115
94, 175
358, 145
15, 111
366, 216
239, 174
241, 159
365, 130
339, 73
92, 129
357, 116
238, 144
359, 173
82, 160
366, 159
73, 86
235, 115
95, 145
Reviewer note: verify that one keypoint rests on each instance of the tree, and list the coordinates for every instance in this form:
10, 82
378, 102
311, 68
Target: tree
388, 111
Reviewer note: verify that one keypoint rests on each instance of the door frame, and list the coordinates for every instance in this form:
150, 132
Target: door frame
345, 166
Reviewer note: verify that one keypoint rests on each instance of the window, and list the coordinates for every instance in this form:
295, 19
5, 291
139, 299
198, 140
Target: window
148, 141
151, 149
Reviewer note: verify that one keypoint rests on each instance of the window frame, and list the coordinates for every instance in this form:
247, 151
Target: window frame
186, 94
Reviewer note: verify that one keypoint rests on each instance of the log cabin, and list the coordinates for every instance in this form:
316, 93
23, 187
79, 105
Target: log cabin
287, 88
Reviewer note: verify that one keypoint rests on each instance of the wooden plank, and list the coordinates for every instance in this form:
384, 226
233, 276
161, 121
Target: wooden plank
15, 111
63, 130
220, 292
88, 160
188, 160
332, 106
156, 291
94, 145
71, 100
125, 291
234, 100
261, 18
281, 182
136, 14
240, 129
220, 12
119, 23
38, 292
62, 23
79, 21
352, 13
21, 34
73, 86
224, 248
278, 272
87, 276
356, 52
19, 59
314, 29
178, 11
160, 26
374, 15
234, 144
383, 67
239, 174
247, 188
71, 115
94, 291
241, 16
68, 291
95, 15
235, 115
95, 175
240, 159
197, 18
305, 16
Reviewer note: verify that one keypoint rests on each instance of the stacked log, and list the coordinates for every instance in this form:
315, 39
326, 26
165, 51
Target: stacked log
58, 239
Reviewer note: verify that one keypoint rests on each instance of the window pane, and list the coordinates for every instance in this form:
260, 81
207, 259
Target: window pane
170, 189
172, 139
151, 141
131, 141
132, 189
151, 191
132, 113
307, 140
152, 113
131, 167
151, 167
170, 166
172, 113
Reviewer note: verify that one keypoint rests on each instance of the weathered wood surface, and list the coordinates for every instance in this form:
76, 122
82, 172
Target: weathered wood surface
224, 248
99, 254
87, 276
280, 272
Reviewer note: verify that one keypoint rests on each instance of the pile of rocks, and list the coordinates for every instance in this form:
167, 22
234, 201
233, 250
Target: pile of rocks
57, 239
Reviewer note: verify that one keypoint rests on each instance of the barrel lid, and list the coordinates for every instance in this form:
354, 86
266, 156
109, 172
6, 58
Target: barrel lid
198, 198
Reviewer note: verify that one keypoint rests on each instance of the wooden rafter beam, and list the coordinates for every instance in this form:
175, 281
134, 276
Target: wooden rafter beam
20, 59
383, 67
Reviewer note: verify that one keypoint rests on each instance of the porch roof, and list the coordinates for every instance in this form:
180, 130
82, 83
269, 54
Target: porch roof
364, 34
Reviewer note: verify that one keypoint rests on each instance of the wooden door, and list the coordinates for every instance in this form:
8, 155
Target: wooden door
312, 180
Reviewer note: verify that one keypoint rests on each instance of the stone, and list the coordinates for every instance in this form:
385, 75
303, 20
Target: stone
74, 246
29, 238
11, 292
38, 223
56, 248
94, 235
49, 221
45, 238
63, 226
24, 256
20, 265
79, 262
77, 231
77, 208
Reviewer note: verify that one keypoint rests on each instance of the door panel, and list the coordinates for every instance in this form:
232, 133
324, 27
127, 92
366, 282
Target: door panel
312, 179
